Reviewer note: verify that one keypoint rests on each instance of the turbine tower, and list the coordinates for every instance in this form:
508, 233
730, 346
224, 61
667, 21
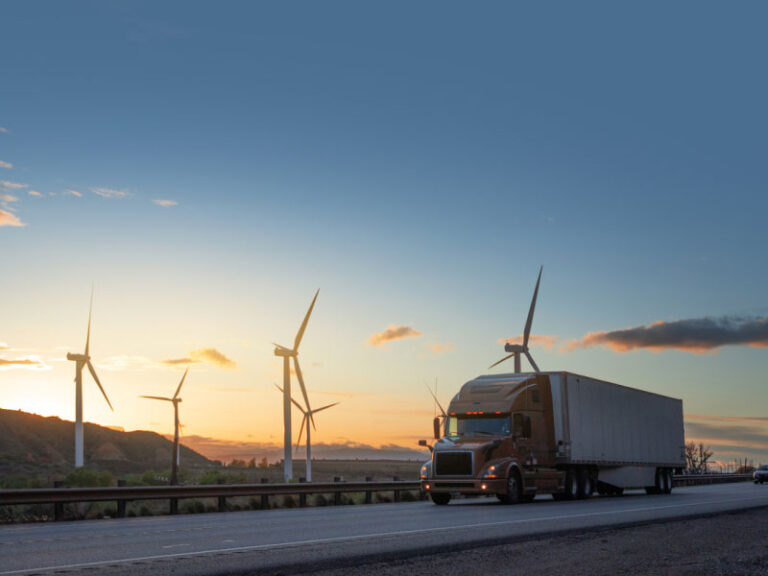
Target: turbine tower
175, 459
82, 360
307, 416
286, 354
517, 349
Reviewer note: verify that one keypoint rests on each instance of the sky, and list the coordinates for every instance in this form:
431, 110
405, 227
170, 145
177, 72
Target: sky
207, 168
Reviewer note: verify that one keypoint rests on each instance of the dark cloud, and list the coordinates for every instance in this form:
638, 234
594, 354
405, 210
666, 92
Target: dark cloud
697, 335
393, 333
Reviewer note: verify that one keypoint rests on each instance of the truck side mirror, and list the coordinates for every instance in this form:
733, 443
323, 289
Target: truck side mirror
424, 443
436, 426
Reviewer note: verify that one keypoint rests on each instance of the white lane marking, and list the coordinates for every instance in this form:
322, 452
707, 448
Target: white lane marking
175, 545
364, 536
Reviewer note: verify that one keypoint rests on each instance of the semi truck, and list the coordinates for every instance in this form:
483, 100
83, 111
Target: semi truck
519, 435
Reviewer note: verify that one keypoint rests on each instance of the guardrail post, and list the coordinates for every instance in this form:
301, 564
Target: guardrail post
222, 499
174, 506
264, 497
58, 507
397, 492
121, 503
368, 493
337, 494
302, 496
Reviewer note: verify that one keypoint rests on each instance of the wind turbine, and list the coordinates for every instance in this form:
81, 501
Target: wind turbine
307, 416
517, 349
443, 414
82, 360
286, 354
175, 400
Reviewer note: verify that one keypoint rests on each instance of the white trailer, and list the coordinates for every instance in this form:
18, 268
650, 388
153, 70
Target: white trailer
625, 433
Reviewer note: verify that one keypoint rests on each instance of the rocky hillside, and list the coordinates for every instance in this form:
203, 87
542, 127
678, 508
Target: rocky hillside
36, 445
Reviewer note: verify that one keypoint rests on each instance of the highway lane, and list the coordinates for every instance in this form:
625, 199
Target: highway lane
273, 540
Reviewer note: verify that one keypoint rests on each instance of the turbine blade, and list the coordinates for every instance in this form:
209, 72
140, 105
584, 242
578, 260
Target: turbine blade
324, 407
181, 383
528, 322
158, 398
301, 431
93, 373
88, 336
299, 406
530, 359
278, 387
300, 333
438, 401
502, 360
303, 389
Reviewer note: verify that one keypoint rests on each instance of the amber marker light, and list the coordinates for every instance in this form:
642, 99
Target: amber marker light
426, 486
483, 487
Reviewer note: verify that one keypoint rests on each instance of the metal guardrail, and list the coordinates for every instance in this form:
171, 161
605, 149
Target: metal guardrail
699, 479
124, 494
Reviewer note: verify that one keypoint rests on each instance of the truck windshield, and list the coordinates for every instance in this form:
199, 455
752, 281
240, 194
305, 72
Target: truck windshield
471, 425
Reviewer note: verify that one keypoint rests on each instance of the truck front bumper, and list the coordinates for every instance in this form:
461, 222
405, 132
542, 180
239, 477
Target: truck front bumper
465, 485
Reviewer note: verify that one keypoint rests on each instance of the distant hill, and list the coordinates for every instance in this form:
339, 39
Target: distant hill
37, 445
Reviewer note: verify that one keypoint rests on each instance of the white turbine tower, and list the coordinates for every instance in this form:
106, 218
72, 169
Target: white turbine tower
82, 360
286, 354
307, 416
175, 458
517, 349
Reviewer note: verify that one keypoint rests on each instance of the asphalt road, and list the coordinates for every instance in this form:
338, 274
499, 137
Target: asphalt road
284, 541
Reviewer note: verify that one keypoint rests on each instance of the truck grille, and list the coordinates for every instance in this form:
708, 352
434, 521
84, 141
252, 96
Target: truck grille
453, 463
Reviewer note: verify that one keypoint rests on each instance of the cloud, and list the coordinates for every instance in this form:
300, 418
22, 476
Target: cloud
8, 198
7, 184
5, 165
546, 342
126, 363
393, 333
8, 219
165, 203
209, 355
440, 348
179, 361
730, 437
29, 363
4, 130
3, 346
34, 193
697, 335
226, 450
110, 192
70, 192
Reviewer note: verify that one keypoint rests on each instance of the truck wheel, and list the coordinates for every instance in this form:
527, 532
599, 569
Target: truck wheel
572, 484
514, 489
440, 498
667, 481
586, 486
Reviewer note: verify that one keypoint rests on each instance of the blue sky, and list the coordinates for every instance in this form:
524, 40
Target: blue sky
417, 163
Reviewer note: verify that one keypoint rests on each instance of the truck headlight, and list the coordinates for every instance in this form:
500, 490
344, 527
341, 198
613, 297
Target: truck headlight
490, 472
424, 472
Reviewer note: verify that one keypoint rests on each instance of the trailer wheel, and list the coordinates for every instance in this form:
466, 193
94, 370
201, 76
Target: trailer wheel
586, 486
572, 484
440, 498
667, 481
514, 489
